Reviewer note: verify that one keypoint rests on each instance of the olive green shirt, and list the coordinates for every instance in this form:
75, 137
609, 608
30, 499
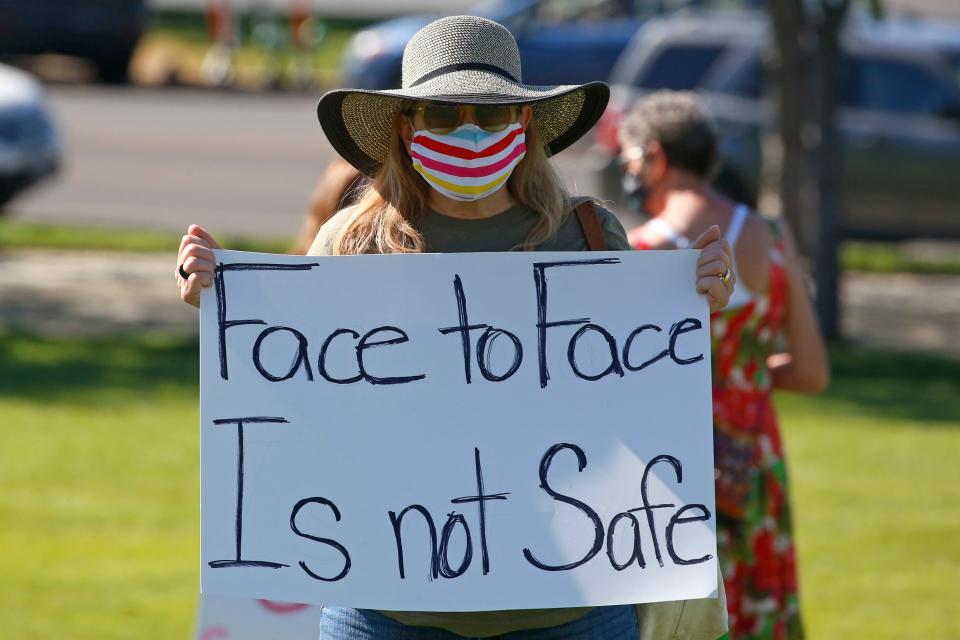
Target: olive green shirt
688, 619
502, 232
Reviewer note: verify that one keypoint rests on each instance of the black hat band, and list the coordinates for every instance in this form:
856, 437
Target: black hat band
464, 66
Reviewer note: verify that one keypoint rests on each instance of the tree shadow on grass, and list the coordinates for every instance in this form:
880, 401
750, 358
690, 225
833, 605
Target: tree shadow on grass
895, 385
46, 369
871, 381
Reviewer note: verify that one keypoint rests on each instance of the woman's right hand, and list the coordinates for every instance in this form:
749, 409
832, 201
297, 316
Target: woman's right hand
196, 259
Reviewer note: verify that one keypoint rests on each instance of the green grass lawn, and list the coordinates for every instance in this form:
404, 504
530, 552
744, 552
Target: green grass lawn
99, 513
29, 235
876, 488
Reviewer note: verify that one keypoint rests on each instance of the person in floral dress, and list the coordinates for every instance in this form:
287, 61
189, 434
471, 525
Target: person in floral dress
766, 338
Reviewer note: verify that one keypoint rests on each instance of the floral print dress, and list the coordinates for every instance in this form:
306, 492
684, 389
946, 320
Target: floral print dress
754, 532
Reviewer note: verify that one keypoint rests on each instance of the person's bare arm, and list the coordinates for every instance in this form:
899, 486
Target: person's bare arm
804, 367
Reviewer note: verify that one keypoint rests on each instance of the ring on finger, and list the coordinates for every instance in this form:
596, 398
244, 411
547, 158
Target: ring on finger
724, 276
183, 274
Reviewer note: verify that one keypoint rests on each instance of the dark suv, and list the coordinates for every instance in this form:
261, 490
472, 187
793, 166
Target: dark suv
899, 119
105, 32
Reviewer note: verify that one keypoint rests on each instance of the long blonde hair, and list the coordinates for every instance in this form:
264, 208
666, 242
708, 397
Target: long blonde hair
382, 220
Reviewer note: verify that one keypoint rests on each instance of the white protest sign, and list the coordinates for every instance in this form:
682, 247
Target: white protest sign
457, 432
222, 618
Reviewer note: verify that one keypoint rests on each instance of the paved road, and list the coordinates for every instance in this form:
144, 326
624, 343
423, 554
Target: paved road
236, 162
156, 158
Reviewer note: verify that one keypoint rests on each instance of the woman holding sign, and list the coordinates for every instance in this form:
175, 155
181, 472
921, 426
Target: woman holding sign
669, 154
457, 161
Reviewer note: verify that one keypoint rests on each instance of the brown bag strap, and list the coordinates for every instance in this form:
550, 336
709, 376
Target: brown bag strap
590, 224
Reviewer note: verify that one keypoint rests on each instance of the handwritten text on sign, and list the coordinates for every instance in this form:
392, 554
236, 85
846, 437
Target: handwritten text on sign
457, 432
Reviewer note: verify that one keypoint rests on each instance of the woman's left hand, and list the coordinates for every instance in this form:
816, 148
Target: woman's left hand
713, 263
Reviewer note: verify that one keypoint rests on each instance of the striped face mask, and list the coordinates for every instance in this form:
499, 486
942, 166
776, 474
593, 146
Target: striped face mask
468, 163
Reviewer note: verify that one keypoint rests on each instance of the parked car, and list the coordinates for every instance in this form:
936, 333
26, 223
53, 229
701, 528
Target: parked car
30, 146
105, 32
560, 41
899, 116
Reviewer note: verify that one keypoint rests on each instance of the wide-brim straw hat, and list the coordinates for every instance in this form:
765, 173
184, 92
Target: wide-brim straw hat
456, 60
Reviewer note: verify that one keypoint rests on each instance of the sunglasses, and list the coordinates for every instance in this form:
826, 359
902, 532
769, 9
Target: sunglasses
633, 153
444, 118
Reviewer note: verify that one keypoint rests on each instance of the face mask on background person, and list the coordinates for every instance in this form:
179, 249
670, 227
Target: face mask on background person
635, 189
636, 193
468, 163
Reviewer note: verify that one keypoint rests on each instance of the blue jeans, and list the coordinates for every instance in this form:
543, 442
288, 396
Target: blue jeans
602, 623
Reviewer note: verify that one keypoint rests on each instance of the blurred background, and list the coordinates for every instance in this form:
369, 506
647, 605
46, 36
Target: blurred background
122, 121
